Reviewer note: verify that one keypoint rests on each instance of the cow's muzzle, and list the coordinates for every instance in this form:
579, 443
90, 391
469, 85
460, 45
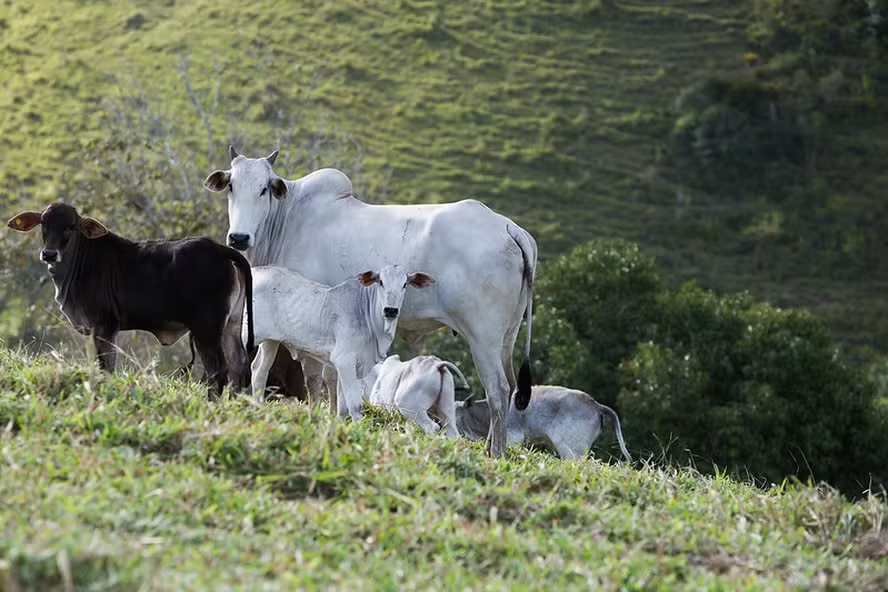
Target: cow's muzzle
239, 241
390, 312
49, 256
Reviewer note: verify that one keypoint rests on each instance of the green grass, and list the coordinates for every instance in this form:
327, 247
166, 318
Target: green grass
137, 481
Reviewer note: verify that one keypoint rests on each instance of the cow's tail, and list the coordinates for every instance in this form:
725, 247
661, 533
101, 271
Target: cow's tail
247, 275
190, 364
529, 256
452, 367
605, 410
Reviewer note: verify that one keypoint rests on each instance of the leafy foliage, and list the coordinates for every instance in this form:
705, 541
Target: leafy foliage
607, 291
726, 379
751, 388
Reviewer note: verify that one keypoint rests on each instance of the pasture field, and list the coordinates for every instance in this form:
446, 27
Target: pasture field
138, 482
558, 114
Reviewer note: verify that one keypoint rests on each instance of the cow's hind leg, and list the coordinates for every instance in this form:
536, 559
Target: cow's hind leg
261, 365
209, 347
314, 378
446, 410
496, 384
236, 354
423, 420
568, 446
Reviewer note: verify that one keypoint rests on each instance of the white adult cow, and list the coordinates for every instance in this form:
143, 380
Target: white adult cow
484, 263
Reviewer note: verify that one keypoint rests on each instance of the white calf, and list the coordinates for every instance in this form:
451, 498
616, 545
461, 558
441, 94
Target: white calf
416, 387
565, 419
349, 326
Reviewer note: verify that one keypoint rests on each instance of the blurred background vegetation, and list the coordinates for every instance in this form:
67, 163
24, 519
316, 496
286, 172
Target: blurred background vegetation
738, 145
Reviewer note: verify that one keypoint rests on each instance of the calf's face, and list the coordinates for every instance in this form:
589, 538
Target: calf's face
60, 224
391, 284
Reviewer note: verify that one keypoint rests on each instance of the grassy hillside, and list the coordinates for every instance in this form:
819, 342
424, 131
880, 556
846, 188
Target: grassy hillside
138, 482
556, 113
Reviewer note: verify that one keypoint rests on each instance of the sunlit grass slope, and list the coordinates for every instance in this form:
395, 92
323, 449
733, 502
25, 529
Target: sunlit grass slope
139, 482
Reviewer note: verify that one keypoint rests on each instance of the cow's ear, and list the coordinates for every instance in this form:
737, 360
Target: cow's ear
420, 280
272, 157
218, 181
24, 222
368, 278
92, 228
278, 188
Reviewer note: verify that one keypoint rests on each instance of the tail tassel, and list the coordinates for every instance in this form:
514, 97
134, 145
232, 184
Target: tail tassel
525, 380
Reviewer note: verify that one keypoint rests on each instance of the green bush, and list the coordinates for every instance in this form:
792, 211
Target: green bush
607, 292
741, 133
755, 389
813, 26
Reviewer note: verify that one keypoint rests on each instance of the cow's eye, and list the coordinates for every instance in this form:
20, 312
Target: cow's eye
380, 284
405, 284
231, 187
263, 192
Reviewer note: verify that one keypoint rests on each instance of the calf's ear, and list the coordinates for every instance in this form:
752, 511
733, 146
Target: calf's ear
368, 278
420, 280
25, 221
218, 181
278, 188
92, 228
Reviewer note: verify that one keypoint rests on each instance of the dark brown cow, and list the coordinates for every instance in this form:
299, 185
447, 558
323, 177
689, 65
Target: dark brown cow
106, 284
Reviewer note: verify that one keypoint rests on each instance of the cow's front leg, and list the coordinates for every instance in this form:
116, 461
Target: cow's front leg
261, 365
105, 342
348, 391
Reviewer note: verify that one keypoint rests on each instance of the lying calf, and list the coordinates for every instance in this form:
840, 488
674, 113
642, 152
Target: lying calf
564, 419
349, 326
416, 387
106, 284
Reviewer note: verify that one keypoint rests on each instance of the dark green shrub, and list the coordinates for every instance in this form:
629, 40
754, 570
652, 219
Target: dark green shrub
607, 291
740, 132
755, 389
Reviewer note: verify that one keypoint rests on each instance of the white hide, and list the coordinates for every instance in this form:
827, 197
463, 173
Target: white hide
483, 262
566, 420
343, 326
416, 388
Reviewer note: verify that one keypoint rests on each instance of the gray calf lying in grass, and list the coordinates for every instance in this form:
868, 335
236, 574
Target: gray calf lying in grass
564, 419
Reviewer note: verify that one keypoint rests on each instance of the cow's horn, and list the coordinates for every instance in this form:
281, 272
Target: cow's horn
272, 157
232, 152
